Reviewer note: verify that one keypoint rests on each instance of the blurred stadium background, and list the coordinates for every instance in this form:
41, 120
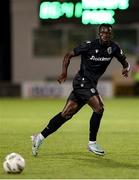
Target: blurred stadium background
33, 44
35, 34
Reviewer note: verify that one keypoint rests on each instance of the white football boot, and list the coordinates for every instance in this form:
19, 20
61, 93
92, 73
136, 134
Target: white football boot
36, 142
95, 148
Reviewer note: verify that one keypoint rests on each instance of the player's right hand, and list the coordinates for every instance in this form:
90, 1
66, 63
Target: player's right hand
62, 78
125, 72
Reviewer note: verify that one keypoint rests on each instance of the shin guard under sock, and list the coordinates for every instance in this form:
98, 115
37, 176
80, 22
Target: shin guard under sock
94, 125
53, 125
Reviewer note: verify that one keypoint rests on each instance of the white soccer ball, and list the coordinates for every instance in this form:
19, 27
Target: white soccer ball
14, 163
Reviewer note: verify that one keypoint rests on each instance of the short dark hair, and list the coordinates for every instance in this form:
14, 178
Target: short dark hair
105, 25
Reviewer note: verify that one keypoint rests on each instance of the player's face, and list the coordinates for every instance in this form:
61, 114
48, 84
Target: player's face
105, 34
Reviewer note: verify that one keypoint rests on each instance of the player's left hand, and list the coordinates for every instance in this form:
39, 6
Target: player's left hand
125, 72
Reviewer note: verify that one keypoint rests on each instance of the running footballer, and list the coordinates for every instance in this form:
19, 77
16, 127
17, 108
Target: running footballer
96, 55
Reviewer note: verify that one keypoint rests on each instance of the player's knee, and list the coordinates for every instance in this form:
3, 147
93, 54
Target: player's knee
67, 115
100, 109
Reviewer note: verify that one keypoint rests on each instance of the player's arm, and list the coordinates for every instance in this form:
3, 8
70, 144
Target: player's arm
122, 59
126, 68
83, 47
66, 61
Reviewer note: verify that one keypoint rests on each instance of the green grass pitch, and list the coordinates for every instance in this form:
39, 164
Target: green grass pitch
64, 154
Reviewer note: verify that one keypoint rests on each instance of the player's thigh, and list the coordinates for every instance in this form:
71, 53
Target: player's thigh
71, 108
96, 103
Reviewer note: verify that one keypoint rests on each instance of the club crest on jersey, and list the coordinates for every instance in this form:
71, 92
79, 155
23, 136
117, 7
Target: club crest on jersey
96, 50
109, 50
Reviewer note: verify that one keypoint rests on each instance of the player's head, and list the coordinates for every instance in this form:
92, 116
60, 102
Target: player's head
105, 33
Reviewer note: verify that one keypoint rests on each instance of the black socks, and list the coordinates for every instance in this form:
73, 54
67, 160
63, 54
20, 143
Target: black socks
53, 125
94, 125
58, 121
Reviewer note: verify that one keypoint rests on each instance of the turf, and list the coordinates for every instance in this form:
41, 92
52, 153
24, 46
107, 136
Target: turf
64, 154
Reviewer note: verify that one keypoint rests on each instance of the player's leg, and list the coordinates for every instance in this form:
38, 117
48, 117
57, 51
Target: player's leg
96, 104
56, 122
69, 110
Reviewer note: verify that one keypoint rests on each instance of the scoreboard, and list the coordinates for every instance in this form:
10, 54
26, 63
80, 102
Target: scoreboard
81, 11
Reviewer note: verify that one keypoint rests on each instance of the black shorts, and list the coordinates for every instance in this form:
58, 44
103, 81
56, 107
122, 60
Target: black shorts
82, 95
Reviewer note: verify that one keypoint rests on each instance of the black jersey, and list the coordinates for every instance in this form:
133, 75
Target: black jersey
95, 58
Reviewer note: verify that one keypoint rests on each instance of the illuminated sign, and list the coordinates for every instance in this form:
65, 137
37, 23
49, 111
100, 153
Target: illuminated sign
90, 11
107, 4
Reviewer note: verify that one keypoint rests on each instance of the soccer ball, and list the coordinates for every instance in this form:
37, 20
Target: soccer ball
14, 163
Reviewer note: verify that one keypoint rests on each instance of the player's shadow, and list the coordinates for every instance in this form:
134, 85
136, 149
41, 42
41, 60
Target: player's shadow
88, 159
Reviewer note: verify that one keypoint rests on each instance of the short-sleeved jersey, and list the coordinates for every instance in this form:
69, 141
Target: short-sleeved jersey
95, 58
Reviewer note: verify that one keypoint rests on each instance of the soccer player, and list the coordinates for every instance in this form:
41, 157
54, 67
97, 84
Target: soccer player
96, 55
